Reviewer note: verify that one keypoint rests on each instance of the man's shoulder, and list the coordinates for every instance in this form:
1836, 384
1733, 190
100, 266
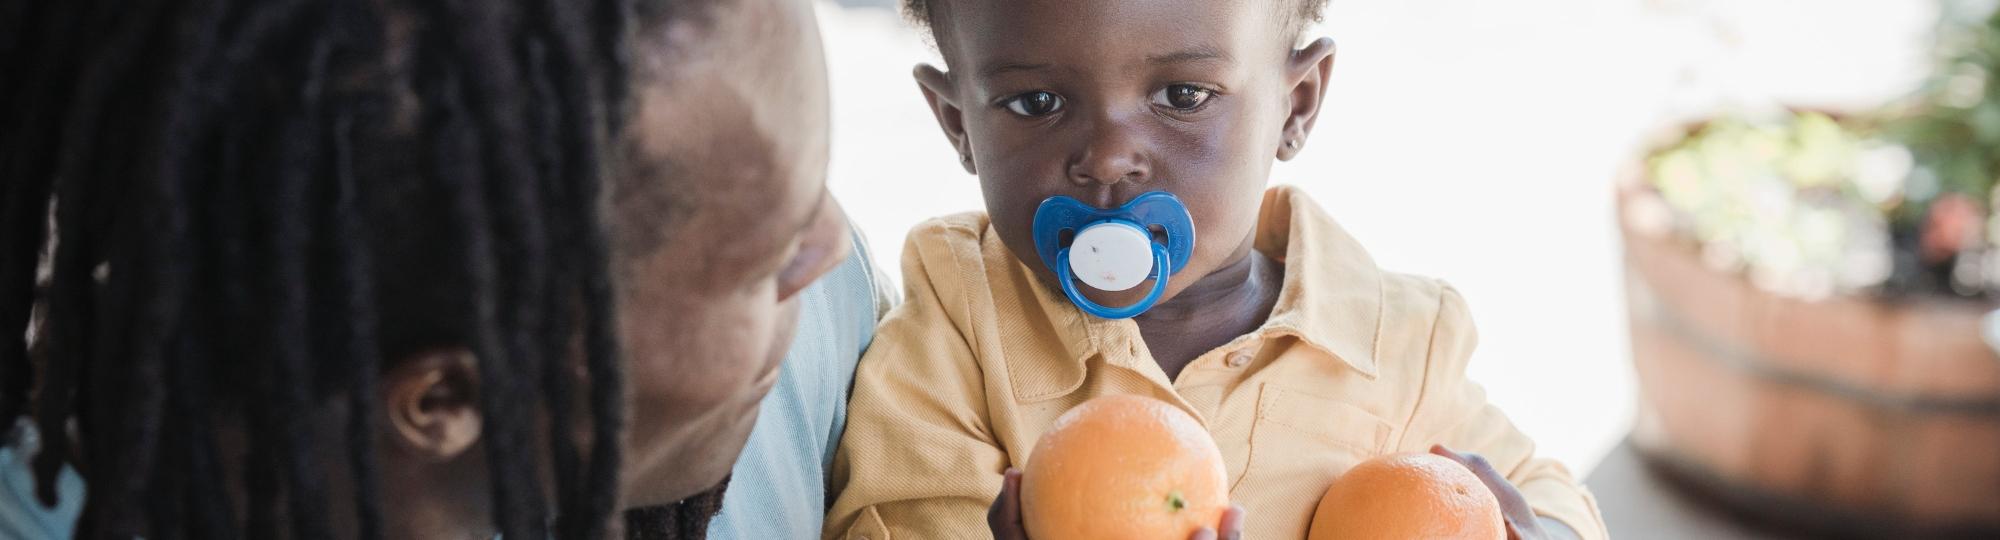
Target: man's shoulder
21, 513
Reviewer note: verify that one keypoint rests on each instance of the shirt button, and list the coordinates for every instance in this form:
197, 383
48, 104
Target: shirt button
1238, 359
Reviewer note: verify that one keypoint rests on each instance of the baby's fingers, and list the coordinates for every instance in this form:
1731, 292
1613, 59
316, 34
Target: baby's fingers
1004, 516
1231, 527
1512, 504
1232, 524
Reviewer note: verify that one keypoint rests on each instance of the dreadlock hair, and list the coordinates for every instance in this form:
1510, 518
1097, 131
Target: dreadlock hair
243, 210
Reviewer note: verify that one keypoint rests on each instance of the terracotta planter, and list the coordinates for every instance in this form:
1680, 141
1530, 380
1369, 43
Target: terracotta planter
1848, 416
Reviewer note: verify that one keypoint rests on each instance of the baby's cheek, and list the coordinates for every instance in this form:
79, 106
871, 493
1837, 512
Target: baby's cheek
1223, 237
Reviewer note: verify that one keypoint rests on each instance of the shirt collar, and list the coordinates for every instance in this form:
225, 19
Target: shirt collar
1332, 297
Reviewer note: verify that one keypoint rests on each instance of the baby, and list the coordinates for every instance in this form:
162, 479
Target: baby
1130, 246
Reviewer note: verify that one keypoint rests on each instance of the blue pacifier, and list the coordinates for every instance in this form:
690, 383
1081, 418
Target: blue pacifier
1113, 249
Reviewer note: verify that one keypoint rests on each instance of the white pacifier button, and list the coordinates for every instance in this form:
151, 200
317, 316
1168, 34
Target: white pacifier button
1111, 256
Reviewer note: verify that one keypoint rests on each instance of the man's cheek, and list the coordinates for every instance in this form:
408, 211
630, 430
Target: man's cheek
710, 366
785, 329
736, 347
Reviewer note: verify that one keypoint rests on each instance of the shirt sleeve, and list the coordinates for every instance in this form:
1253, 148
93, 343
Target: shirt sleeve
918, 459
1453, 411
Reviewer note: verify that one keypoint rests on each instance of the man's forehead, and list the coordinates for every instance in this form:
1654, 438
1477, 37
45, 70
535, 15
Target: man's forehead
723, 125
680, 32
711, 170
721, 161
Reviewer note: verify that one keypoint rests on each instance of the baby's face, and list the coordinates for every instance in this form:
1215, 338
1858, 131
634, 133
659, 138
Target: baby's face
1104, 100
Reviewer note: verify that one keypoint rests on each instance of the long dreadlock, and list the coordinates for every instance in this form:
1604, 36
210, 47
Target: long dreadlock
235, 203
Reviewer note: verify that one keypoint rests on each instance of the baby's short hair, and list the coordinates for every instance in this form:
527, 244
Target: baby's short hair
1304, 12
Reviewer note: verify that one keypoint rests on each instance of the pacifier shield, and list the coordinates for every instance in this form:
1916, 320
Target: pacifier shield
1061, 215
1112, 249
1111, 256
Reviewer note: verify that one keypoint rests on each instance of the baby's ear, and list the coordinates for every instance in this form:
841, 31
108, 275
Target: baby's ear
943, 97
1307, 72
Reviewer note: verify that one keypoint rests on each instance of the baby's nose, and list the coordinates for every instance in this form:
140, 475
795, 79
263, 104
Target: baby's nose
1111, 158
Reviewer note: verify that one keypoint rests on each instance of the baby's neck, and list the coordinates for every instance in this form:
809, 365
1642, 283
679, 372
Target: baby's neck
1229, 302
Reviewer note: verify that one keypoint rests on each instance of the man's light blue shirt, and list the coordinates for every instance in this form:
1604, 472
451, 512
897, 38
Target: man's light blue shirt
778, 489
21, 516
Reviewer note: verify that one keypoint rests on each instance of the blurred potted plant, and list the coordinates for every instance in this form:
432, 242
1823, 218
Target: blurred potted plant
1806, 293
1952, 126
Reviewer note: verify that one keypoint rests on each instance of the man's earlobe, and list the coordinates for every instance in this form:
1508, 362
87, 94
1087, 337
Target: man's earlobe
432, 403
943, 99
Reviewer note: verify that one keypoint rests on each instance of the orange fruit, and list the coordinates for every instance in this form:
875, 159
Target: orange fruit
1123, 467
1408, 496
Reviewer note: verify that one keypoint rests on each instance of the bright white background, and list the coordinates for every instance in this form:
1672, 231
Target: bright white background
1475, 141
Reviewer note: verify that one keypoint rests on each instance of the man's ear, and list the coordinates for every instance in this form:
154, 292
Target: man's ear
432, 402
943, 97
1307, 72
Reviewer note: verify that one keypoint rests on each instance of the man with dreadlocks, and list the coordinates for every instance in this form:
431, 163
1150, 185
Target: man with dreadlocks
401, 268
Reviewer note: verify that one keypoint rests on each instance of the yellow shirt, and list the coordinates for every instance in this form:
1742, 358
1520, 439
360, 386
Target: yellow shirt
982, 357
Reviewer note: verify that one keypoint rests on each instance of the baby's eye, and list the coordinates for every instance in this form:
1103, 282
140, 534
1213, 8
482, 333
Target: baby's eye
1183, 97
1036, 103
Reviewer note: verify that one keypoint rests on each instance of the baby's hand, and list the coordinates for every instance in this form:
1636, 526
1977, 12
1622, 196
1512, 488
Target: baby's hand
1522, 523
1004, 516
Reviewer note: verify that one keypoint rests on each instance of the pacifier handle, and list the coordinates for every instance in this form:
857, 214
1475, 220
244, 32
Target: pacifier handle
1162, 267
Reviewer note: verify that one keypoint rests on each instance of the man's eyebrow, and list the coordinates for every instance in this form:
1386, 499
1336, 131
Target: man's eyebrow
1004, 67
1198, 53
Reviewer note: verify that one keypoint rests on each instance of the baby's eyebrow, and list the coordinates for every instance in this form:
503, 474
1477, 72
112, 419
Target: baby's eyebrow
1197, 53
1004, 67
